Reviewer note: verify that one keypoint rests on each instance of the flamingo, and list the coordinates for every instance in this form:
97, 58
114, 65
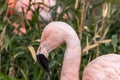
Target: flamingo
23, 6
27, 6
51, 39
106, 67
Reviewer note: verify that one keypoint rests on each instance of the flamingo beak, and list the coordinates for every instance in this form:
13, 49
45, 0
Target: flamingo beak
43, 61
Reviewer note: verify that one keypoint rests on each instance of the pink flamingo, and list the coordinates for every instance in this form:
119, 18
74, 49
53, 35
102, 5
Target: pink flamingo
27, 7
54, 34
106, 67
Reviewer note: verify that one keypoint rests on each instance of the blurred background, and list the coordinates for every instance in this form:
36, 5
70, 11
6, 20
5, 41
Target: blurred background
97, 23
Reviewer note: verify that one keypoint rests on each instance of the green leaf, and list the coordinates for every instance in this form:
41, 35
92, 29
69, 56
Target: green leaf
114, 42
1, 26
5, 77
6, 41
19, 54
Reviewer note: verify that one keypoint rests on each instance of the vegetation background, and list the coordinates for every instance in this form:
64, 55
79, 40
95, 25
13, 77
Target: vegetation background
97, 23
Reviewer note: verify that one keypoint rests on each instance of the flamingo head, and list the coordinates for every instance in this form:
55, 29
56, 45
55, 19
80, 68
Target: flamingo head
52, 37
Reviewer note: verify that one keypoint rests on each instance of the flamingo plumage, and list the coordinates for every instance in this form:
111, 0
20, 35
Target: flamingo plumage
106, 67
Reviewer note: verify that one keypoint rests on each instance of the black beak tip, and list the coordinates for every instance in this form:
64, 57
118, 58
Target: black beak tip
43, 61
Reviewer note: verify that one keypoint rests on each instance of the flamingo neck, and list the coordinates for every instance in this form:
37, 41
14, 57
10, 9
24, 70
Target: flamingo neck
72, 58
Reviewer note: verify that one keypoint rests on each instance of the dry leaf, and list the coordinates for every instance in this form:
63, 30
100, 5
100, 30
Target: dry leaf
32, 51
105, 10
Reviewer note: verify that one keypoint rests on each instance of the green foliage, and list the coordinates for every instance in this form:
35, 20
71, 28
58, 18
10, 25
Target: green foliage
86, 19
114, 42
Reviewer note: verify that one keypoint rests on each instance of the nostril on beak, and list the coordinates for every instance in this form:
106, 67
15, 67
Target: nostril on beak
43, 61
